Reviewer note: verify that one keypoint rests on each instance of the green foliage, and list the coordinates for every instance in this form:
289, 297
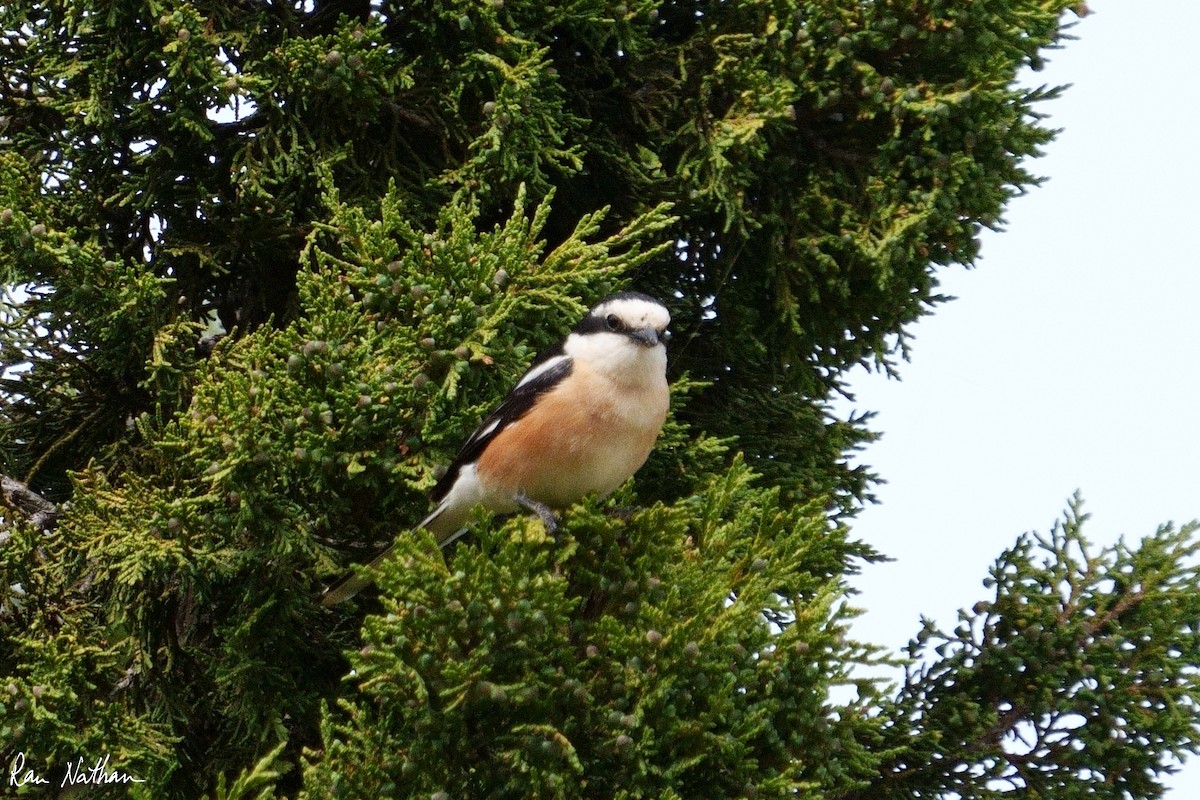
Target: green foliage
1072, 682
254, 783
202, 561
686, 652
821, 160
266, 264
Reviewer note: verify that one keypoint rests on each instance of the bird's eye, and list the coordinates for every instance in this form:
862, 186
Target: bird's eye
612, 322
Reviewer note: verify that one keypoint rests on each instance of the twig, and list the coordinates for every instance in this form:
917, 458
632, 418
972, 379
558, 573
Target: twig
60, 443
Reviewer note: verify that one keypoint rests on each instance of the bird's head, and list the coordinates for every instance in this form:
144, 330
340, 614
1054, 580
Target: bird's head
624, 331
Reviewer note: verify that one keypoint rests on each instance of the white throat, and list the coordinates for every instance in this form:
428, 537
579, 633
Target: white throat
618, 358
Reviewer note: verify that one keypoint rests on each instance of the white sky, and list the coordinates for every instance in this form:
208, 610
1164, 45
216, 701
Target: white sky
1071, 359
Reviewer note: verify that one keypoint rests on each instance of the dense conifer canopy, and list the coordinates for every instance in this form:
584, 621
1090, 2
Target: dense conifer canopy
267, 263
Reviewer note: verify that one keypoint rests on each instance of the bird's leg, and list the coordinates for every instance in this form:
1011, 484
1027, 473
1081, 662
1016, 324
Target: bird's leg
543, 511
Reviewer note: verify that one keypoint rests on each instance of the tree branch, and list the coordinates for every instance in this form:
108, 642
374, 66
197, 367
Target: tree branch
41, 512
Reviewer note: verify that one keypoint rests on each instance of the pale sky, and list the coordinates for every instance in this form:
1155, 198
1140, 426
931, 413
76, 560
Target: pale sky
1071, 358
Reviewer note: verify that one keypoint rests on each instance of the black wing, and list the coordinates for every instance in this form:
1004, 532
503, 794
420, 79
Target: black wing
514, 406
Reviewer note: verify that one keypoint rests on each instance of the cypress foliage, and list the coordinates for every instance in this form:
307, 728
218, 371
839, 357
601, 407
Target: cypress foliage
686, 653
266, 264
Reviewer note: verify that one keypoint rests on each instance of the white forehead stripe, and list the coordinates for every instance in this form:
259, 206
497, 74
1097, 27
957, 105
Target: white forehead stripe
636, 312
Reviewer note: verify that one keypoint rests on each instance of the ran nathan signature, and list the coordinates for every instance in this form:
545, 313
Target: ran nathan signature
75, 773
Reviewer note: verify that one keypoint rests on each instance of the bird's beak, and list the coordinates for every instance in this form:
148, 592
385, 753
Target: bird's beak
647, 336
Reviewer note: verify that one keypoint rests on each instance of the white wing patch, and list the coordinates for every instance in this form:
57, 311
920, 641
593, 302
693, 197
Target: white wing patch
541, 369
485, 430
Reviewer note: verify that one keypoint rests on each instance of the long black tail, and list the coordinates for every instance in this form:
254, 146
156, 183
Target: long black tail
359, 578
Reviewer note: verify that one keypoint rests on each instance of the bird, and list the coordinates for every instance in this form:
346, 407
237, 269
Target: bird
580, 421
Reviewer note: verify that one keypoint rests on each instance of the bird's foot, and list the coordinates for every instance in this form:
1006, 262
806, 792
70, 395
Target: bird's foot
543, 511
623, 513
